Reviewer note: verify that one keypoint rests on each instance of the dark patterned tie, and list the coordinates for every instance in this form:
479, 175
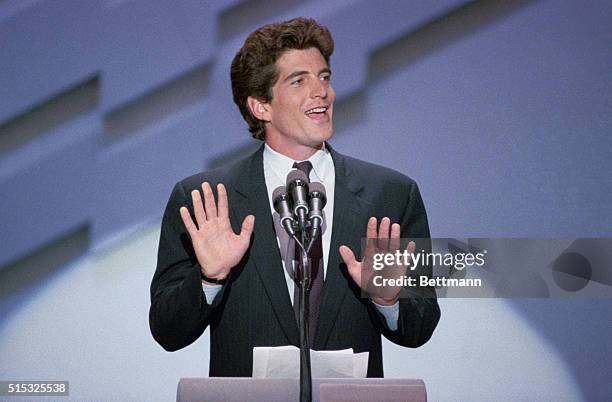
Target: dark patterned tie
316, 258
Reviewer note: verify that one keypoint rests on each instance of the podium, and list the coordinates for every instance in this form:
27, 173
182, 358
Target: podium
246, 389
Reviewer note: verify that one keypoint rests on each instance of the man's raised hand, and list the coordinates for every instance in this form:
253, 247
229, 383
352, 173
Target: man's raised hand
217, 248
383, 239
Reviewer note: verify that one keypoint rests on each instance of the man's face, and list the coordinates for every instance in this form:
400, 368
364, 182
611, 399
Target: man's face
300, 113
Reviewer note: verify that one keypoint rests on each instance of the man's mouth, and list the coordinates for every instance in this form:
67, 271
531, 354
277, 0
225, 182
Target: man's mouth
317, 113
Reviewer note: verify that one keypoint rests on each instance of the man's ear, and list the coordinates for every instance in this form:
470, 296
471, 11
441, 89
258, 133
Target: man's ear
259, 109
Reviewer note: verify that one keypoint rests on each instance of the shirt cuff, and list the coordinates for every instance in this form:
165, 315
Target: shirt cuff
391, 314
210, 291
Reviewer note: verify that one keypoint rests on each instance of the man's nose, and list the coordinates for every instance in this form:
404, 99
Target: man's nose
319, 89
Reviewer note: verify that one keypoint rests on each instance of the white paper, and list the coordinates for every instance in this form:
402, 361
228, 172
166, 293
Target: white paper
284, 362
360, 364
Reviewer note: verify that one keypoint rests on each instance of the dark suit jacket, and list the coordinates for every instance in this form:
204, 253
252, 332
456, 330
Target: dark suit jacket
254, 308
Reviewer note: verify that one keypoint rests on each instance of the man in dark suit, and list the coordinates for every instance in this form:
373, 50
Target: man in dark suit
219, 262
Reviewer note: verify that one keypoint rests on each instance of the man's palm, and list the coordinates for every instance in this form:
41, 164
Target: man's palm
384, 240
217, 248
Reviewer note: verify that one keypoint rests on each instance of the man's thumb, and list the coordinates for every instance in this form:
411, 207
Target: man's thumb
352, 264
247, 226
347, 255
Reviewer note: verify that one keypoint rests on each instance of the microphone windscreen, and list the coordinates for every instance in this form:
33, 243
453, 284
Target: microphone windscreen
278, 191
318, 187
295, 175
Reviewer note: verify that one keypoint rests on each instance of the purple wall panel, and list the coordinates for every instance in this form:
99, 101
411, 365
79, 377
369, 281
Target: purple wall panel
506, 130
137, 175
147, 43
357, 31
45, 49
52, 194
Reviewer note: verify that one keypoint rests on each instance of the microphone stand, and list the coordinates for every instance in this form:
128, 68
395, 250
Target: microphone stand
304, 281
298, 227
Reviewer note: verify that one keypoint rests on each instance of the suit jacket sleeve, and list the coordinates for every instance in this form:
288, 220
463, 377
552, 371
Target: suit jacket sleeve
419, 311
179, 312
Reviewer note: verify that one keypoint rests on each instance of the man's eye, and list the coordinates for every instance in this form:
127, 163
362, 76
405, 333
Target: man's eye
297, 82
326, 77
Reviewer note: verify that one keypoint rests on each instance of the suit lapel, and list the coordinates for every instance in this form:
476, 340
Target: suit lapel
252, 198
350, 213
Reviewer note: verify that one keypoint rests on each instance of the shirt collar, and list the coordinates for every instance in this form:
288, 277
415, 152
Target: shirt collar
281, 165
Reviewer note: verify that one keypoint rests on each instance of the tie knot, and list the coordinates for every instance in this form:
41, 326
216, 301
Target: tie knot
305, 167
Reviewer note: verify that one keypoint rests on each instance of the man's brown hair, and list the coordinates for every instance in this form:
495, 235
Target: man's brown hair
254, 71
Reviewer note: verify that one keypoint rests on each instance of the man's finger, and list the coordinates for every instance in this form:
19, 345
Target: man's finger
411, 247
198, 209
371, 241
222, 201
247, 227
394, 243
371, 228
209, 201
187, 221
383, 230
383, 233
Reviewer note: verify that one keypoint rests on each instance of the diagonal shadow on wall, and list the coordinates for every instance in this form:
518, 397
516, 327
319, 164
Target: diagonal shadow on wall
245, 15
150, 108
79, 99
22, 279
429, 38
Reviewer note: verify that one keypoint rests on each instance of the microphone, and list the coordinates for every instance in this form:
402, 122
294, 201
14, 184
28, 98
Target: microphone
280, 199
297, 183
317, 200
